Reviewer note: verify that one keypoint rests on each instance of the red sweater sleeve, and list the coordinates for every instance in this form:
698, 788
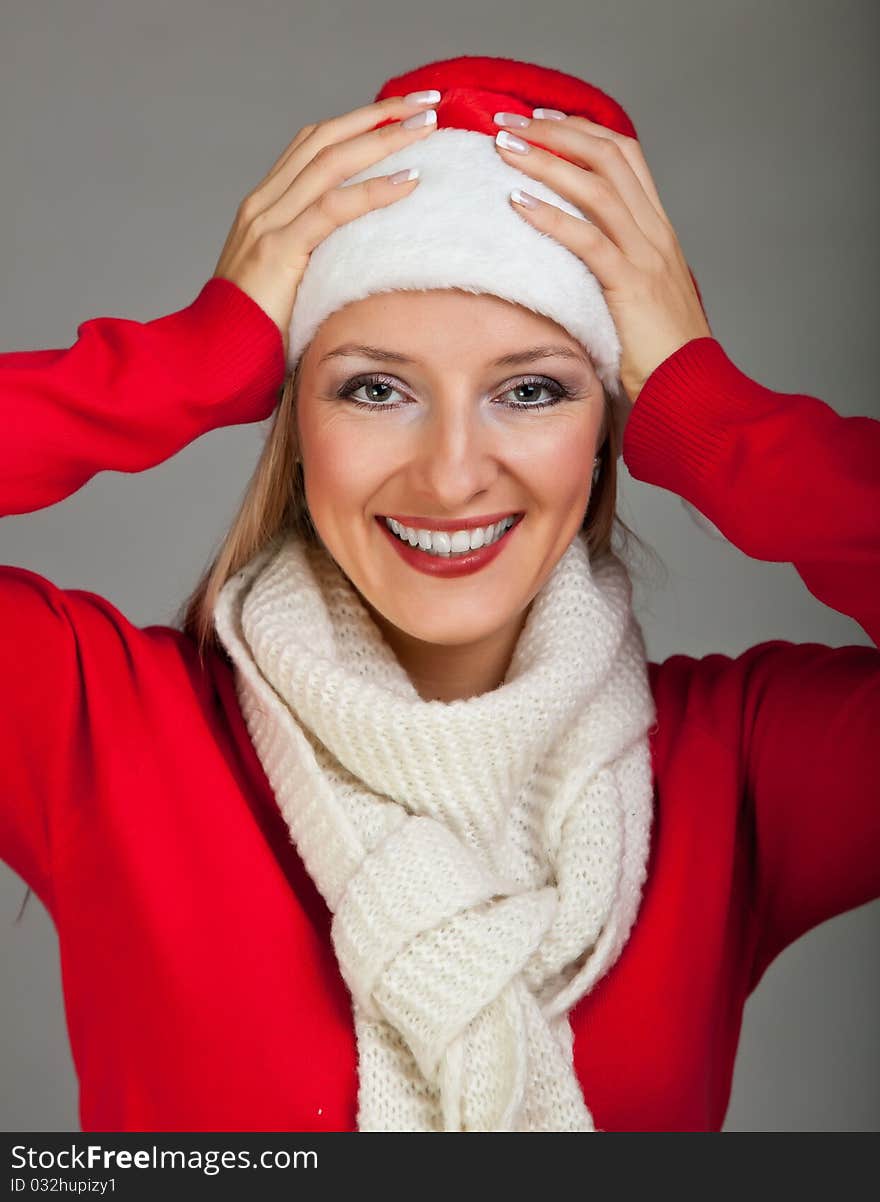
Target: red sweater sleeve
125, 397
785, 478
129, 395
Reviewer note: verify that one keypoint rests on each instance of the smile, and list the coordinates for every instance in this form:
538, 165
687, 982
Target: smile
449, 554
443, 543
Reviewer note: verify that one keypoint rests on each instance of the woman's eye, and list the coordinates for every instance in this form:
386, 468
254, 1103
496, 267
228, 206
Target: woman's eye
372, 384
526, 392
532, 389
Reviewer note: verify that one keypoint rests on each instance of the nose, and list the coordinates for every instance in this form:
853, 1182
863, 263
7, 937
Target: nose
457, 454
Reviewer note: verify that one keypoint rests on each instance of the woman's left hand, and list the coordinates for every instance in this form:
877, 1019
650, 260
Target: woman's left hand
628, 243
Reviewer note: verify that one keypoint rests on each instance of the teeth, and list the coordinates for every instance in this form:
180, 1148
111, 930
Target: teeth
444, 544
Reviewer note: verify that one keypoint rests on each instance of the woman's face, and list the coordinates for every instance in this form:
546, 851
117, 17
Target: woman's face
441, 441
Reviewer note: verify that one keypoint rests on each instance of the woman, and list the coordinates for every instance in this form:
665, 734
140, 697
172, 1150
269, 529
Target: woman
401, 831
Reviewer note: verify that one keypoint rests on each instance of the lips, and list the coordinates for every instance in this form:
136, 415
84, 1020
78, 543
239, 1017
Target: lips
449, 566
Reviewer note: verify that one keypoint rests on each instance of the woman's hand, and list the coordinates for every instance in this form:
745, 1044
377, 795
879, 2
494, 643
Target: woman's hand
628, 243
300, 202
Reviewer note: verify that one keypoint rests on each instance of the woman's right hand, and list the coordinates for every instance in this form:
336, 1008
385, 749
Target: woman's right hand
300, 202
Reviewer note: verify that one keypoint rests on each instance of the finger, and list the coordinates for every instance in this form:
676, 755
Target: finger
336, 162
295, 241
285, 154
313, 138
632, 151
608, 263
603, 156
589, 190
666, 238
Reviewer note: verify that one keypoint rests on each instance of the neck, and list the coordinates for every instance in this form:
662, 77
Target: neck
444, 672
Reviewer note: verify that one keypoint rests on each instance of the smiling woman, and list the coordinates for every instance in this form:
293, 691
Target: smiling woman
457, 411
453, 443
349, 596
422, 575
359, 841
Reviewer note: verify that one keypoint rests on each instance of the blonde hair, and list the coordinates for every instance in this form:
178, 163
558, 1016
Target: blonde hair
275, 503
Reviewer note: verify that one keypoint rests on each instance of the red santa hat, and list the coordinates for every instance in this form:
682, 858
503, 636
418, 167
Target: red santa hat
457, 228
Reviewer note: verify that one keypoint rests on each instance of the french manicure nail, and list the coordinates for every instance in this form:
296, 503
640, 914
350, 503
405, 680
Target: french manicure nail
512, 119
417, 120
404, 176
549, 114
432, 96
511, 142
523, 198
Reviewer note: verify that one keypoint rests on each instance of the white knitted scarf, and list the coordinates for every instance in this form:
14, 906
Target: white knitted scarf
483, 859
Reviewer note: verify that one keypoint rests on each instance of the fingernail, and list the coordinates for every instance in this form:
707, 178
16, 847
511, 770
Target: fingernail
548, 114
417, 120
404, 176
514, 119
432, 96
523, 198
511, 142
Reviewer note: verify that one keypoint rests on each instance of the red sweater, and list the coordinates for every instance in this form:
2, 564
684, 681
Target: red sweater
200, 984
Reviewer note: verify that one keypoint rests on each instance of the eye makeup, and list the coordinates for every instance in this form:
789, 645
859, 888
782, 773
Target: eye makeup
558, 392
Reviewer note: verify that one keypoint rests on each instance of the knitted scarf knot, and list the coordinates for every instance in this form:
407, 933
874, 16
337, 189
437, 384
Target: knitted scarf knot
483, 859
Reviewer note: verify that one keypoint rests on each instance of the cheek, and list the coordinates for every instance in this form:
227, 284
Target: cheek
557, 459
344, 464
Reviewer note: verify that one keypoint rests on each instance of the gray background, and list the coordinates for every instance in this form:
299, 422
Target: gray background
131, 132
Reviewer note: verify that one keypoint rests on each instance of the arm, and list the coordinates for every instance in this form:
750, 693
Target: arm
785, 478
124, 397
128, 395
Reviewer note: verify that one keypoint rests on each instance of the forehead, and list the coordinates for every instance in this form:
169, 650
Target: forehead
421, 323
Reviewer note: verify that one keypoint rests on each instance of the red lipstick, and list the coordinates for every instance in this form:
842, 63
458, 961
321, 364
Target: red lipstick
452, 565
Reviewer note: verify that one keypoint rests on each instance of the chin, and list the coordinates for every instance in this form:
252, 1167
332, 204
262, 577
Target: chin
450, 629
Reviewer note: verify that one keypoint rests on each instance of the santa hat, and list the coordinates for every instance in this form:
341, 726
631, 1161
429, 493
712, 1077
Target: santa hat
457, 228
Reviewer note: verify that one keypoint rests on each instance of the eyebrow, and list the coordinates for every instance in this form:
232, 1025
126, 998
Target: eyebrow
380, 354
